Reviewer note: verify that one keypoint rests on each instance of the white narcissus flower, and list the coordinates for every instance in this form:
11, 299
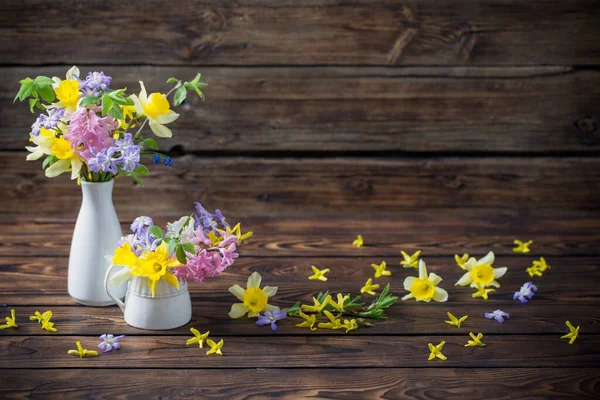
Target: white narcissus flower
255, 300
480, 272
424, 288
158, 110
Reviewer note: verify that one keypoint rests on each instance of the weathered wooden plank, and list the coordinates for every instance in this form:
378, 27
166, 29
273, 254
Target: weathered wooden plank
435, 231
361, 186
571, 280
312, 351
522, 109
355, 383
317, 32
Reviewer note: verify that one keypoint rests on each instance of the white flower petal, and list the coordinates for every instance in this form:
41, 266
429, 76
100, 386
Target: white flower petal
238, 310
254, 280
36, 153
253, 314
440, 295
434, 278
464, 280
408, 296
237, 291
76, 165
495, 284
422, 270
160, 130
139, 107
270, 291
120, 277
270, 307
72, 73
488, 259
499, 272
470, 264
168, 117
408, 282
58, 168
143, 94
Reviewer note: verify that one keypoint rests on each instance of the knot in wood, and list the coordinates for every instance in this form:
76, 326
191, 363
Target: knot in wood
588, 130
359, 186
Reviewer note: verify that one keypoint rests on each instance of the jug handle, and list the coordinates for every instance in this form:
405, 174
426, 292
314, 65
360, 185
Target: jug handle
116, 300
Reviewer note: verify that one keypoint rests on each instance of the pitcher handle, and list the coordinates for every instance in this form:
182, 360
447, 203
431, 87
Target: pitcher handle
116, 300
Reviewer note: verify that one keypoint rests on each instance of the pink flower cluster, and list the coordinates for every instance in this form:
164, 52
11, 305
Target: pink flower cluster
88, 131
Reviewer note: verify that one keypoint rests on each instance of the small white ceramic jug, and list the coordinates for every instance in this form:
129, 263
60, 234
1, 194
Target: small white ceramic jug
170, 307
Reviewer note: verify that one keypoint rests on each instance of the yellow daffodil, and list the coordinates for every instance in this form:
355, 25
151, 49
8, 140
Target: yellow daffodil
237, 231
358, 242
68, 159
198, 337
333, 323
125, 256
573, 334
424, 288
67, 91
436, 351
155, 266
43, 143
81, 352
158, 110
255, 300
538, 268
318, 274
40, 317
341, 299
410, 261
309, 321
455, 321
482, 292
476, 342
461, 260
522, 247
350, 325
369, 288
317, 306
48, 326
10, 321
481, 272
215, 348
380, 270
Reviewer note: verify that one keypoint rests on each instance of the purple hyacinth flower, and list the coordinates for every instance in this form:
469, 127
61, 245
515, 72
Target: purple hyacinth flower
96, 80
139, 225
125, 142
525, 293
39, 122
130, 158
271, 317
498, 315
54, 116
110, 342
104, 161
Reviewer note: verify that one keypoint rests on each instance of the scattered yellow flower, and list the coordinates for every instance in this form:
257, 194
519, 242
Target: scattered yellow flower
48, 326
573, 334
522, 247
317, 306
40, 317
476, 342
436, 351
424, 288
255, 300
10, 321
215, 348
81, 352
333, 323
318, 274
410, 261
358, 242
369, 288
538, 268
350, 325
339, 305
455, 321
198, 337
481, 272
482, 292
380, 270
309, 321
461, 260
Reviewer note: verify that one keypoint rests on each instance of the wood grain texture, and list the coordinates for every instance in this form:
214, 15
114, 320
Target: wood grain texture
411, 109
361, 186
437, 232
376, 32
311, 351
355, 383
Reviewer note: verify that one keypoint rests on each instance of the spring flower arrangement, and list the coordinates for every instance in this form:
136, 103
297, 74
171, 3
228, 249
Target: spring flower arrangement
86, 127
195, 247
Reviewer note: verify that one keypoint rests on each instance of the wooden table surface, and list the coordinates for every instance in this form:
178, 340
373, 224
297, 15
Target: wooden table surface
447, 126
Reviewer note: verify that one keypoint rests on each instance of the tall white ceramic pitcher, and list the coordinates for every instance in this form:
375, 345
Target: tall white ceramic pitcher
170, 307
96, 234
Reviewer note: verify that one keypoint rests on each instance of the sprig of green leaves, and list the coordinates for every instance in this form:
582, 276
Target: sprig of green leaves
112, 100
182, 88
377, 308
38, 89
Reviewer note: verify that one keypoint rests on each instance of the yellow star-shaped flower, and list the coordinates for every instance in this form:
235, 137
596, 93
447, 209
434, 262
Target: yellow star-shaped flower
350, 325
10, 321
333, 323
534, 271
380, 270
410, 261
522, 247
455, 321
541, 264
436, 351
317, 306
358, 242
48, 326
573, 334
476, 342
309, 321
482, 292
369, 288
215, 348
237, 231
198, 337
81, 352
339, 305
461, 260
40, 317
318, 274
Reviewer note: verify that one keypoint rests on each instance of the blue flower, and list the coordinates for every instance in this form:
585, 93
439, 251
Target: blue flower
156, 159
169, 162
270, 317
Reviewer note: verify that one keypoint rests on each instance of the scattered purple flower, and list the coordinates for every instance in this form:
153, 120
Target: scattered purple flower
498, 315
271, 317
525, 293
110, 342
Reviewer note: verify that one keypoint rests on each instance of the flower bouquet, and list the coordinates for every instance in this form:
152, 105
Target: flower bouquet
86, 128
158, 264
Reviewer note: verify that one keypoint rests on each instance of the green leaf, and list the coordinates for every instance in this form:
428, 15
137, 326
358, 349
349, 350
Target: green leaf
141, 170
172, 246
89, 100
180, 95
200, 94
294, 310
43, 81
150, 144
107, 104
197, 78
180, 253
138, 180
156, 231
49, 160
116, 112
32, 103
25, 89
46, 93
129, 102
172, 80
189, 247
